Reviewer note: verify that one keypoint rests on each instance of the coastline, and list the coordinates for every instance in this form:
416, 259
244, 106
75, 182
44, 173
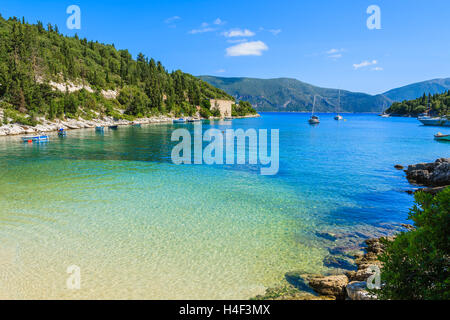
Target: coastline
354, 266
74, 124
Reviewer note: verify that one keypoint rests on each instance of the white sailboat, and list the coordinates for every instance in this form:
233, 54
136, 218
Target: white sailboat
314, 119
338, 117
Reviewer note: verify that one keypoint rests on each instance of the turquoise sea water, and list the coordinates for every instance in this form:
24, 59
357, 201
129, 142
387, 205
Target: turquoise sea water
139, 226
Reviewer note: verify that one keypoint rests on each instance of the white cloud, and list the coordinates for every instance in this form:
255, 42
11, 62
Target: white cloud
335, 53
254, 48
331, 51
335, 56
365, 63
202, 30
238, 33
377, 69
172, 19
275, 32
221, 71
219, 22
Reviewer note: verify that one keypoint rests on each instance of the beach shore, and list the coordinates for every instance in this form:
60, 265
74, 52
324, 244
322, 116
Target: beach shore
73, 124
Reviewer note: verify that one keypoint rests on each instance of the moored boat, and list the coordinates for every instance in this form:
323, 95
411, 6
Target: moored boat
442, 137
113, 127
435, 121
181, 120
338, 117
194, 120
38, 138
99, 129
62, 132
314, 119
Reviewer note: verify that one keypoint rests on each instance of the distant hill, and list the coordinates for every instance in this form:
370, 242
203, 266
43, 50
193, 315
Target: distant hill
286, 94
416, 90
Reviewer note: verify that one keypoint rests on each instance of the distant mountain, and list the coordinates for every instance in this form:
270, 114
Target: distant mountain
286, 94
416, 90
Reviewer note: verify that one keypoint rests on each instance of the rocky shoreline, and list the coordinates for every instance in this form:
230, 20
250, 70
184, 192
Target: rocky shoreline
343, 283
431, 175
73, 124
351, 267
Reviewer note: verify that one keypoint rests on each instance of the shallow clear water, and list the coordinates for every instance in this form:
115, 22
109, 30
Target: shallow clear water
140, 227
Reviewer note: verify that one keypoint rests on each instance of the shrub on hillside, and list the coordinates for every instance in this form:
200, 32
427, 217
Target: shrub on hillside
417, 263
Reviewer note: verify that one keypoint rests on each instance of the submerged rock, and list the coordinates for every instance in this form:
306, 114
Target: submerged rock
348, 251
289, 292
327, 235
339, 262
299, 280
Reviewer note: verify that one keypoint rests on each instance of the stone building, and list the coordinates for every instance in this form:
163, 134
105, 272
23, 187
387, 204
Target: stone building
224, 106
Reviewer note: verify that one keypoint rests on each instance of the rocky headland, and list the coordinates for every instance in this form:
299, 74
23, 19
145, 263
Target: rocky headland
434, 175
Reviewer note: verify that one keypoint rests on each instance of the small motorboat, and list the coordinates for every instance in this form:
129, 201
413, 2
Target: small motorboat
62, 132
99, 129
38, 138
194, 120
181, 120
385, 115
339, 117
442, 137
113, 127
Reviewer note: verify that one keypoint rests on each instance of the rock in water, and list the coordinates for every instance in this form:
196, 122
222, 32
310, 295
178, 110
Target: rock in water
329, 286
434, 174
327, 235
358, 291
399, 167
299, 280
339, 262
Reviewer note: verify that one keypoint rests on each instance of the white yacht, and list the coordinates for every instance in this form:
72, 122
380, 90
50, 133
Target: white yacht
435, 121
314, 119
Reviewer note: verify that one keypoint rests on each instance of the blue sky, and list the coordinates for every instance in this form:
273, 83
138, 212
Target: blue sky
322, 42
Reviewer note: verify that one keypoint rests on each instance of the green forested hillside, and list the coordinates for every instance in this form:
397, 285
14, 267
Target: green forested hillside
289, 95
33, 55
285, 94
438, 104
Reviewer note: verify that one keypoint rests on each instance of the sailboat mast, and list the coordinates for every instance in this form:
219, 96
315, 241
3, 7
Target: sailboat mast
314, 105
339, 102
